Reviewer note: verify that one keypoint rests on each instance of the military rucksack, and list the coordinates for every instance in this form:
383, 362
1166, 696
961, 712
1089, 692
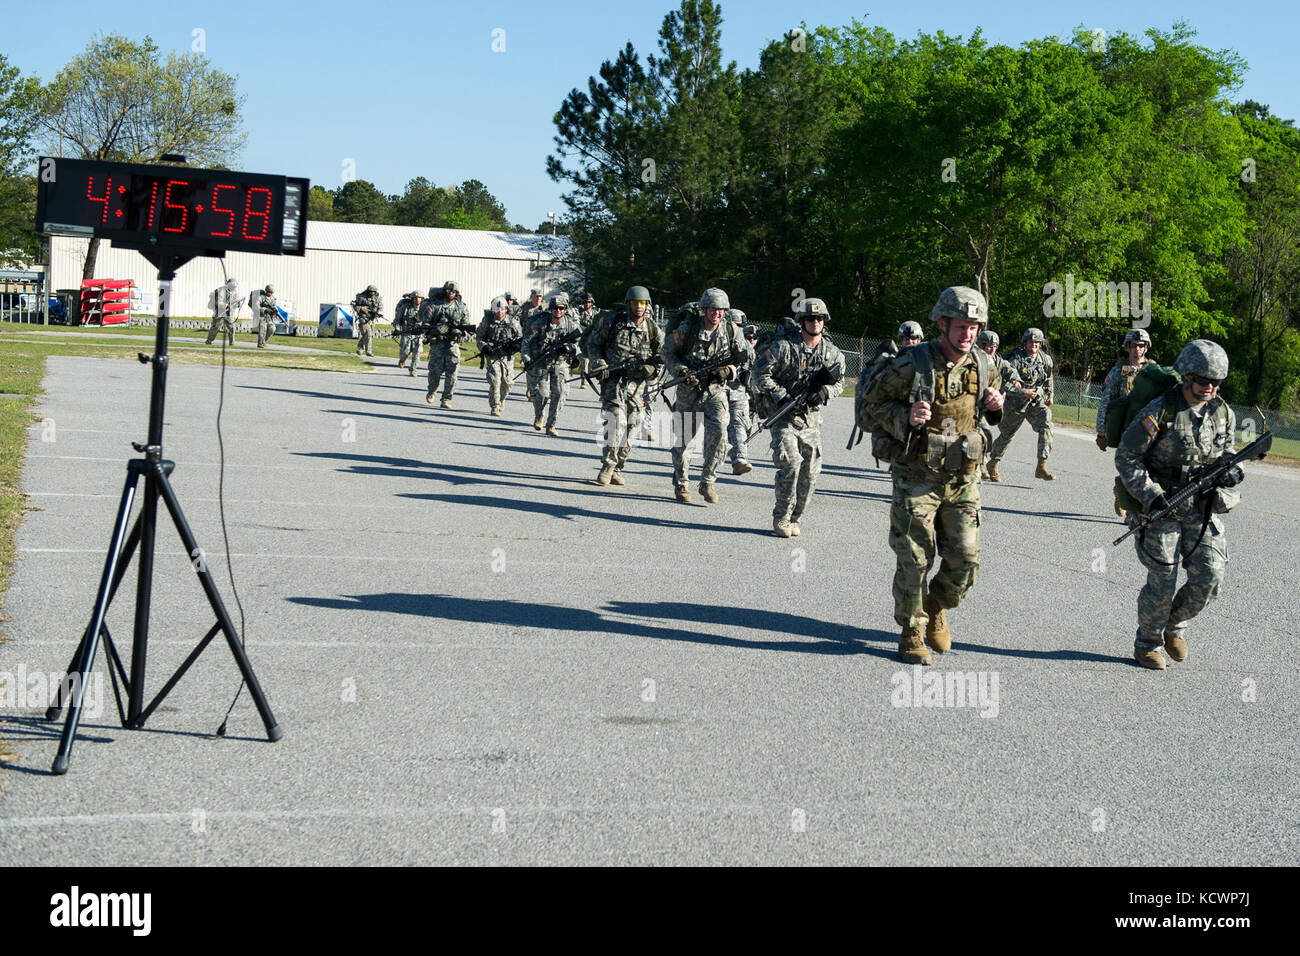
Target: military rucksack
884, 446
254, 300
693, 314
1149, 384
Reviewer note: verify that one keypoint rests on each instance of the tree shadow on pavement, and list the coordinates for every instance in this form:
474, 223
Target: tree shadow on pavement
821, 638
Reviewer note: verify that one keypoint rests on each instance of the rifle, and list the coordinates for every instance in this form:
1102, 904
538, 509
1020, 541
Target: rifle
701, 374
800, 395
497, 350
552, 351
654, 360
1203, 480
453, 325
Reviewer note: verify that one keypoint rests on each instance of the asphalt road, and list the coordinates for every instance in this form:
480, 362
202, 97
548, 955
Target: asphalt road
478, 656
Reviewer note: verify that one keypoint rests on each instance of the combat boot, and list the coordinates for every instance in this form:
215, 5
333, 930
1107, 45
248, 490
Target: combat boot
1151, 658
496, 412
937, 634
1176, 646
992, 470
605, 476
428, 398
781, 527
1042, 472
911, 646
708, 493
682, 494
741, 468
617, 478
446, 403
553, 432
537, 423
794, 525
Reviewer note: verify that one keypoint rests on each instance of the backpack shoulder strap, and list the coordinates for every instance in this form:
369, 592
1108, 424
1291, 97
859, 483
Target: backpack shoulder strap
983, 368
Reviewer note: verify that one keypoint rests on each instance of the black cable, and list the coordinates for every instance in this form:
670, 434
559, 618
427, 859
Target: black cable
221, 507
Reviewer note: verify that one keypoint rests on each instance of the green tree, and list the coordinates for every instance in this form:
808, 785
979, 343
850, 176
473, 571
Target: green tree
361, 201
423, 204
18, 104
320, 204
120, 100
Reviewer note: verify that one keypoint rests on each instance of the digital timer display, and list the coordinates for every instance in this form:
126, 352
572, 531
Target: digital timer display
172, 206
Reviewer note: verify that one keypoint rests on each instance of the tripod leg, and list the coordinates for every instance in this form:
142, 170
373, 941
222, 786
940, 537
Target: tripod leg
60, 699
90, 639
273, 731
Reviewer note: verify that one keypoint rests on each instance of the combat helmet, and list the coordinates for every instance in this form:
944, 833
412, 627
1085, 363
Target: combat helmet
451, 286
372, 288
1202, 357
1033, 335
910, 329
988, 335
714, 299
813, 309
560, 298
737, 316
961, 302
637, 293
1137, 335
270, 289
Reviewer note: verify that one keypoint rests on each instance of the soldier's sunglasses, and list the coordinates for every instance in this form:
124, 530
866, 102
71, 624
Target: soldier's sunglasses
1204, 382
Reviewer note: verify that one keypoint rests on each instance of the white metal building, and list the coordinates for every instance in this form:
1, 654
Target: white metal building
342, 259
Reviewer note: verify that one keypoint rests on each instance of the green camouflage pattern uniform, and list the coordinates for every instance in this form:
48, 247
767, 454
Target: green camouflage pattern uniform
444, 340
1035, 372
369, 307
1119, 382
267, 314
688, 347
406, 318
1153, 461
225, 305
936, 499
797, 438
549, 381
494, 337
616, 339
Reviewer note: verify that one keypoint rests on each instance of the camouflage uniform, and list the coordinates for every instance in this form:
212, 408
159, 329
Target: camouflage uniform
1035, 372
267, 314
797, 438
442, 316
406, 319
688, 347
585, 315
738, 407
617, 339
369, 307
1154, 457
936, 498
497, 340
225, 306
549, 382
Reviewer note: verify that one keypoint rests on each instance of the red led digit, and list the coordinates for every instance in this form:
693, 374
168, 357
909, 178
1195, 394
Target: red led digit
250, 212
167, 200
153, 202
230, 226
108, 189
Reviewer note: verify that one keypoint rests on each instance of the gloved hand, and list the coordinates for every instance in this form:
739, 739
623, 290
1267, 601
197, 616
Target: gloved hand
726, 373
1232, 477
1101, 442
1158, 503
649, 371
819, 397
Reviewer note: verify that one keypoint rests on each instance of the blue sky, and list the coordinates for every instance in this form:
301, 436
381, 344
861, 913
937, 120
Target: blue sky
405, 89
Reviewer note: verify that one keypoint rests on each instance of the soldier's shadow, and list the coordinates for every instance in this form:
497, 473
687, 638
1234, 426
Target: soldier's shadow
816, 637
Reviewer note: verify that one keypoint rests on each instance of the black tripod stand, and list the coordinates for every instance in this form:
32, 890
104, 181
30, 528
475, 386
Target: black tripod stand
154, 471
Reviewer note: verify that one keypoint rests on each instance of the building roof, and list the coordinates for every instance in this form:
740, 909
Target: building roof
419, 241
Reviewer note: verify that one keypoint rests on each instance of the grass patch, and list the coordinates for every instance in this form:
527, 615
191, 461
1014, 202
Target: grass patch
20, 384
